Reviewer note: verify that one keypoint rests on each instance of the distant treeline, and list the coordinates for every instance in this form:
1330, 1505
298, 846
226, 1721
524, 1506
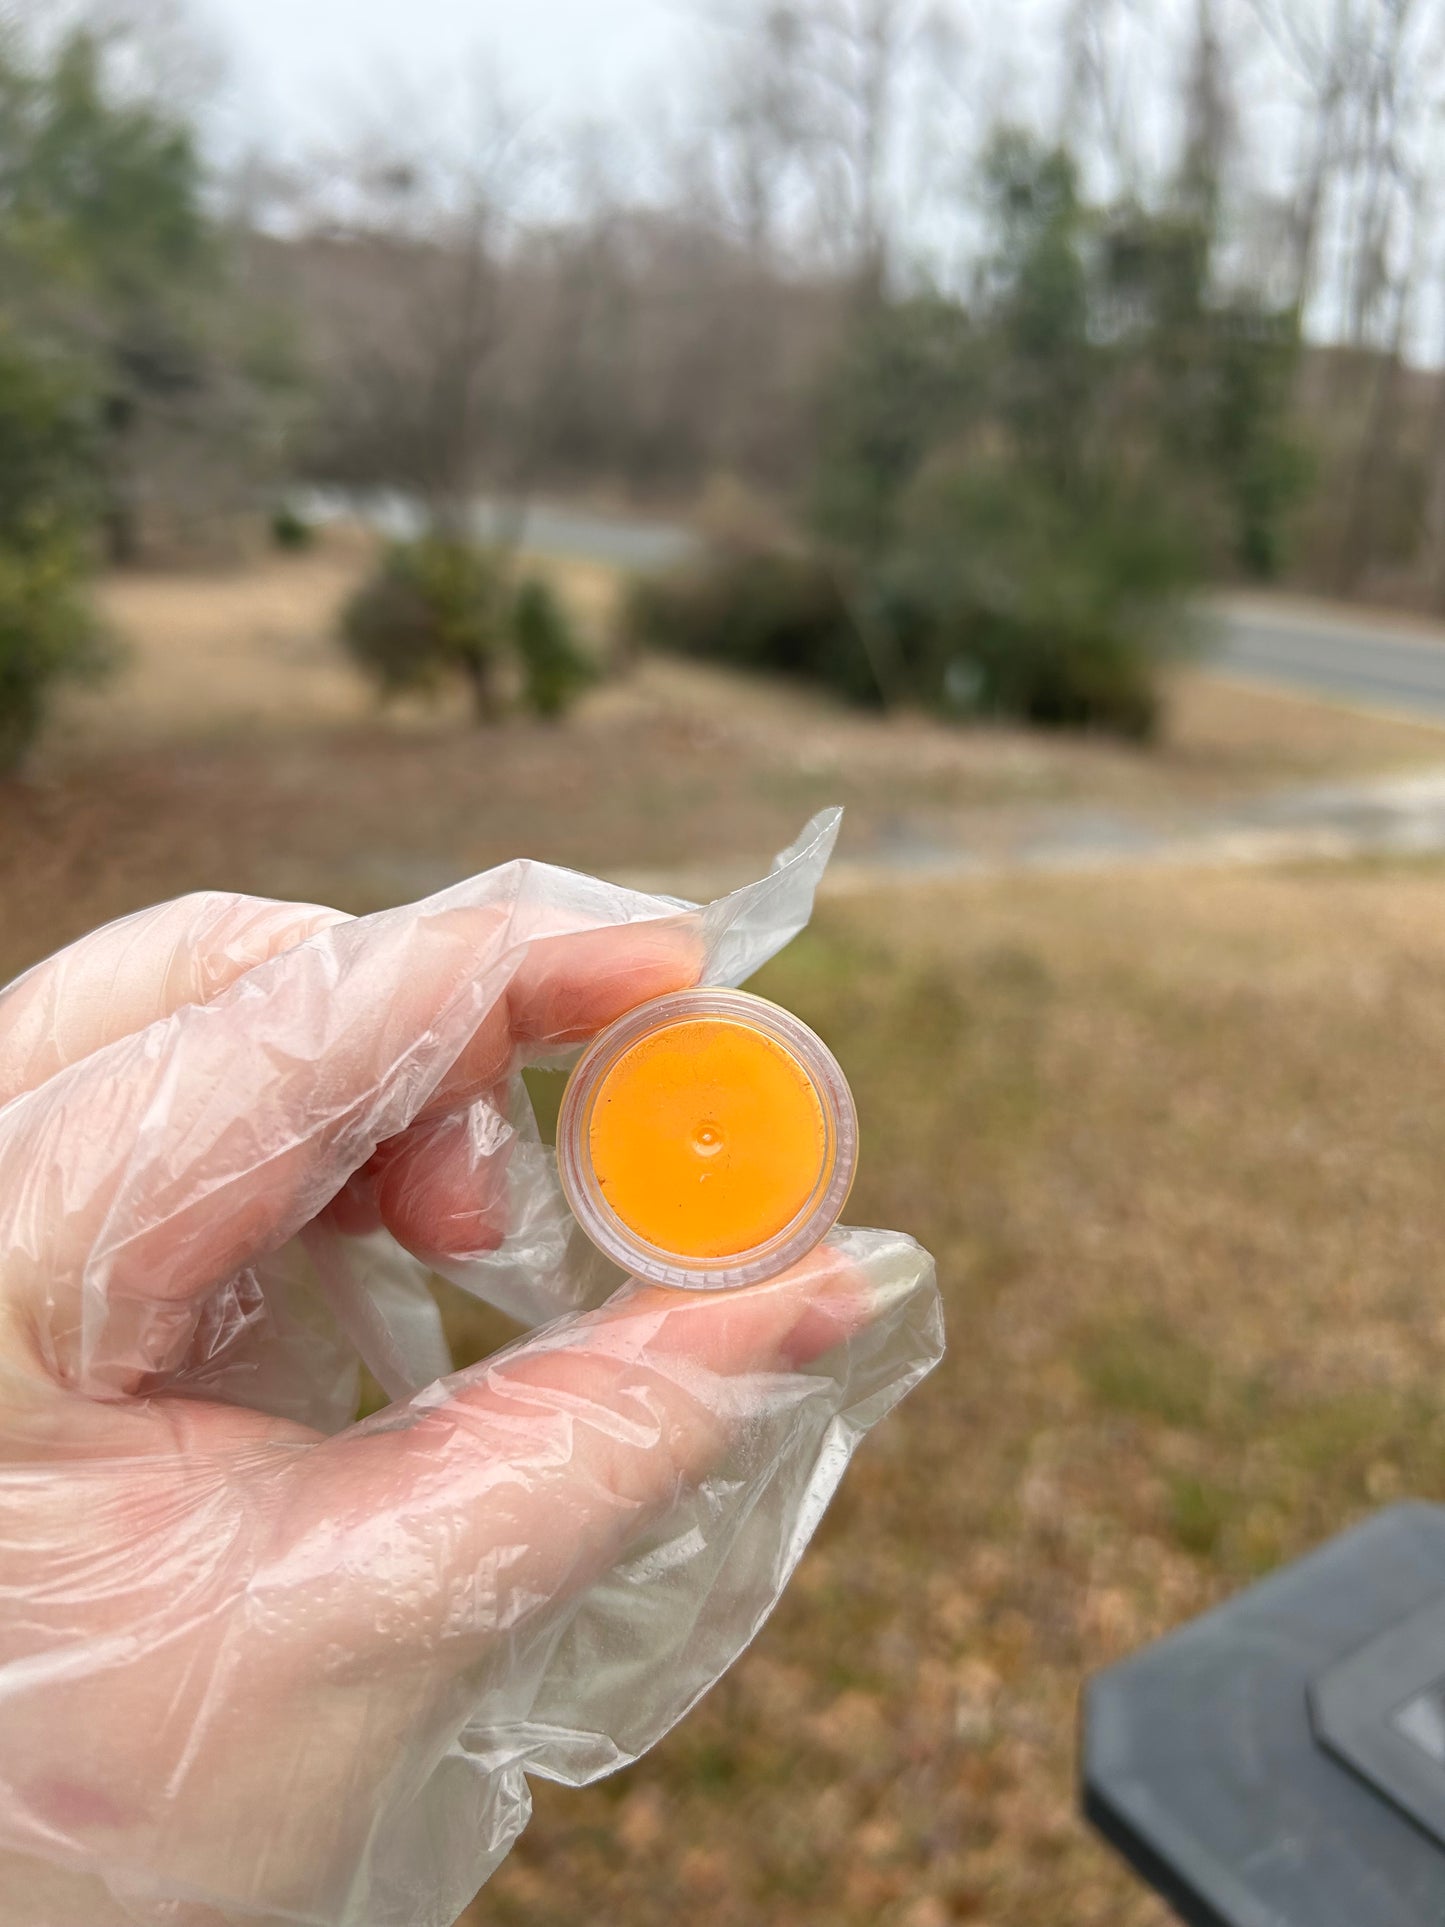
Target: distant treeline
659, 362
648, 358
456, 308
685, 318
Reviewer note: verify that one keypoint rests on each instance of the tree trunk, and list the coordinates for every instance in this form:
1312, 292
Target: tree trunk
1436, 527
481, 674
1305, 216
122, 533
1358, 539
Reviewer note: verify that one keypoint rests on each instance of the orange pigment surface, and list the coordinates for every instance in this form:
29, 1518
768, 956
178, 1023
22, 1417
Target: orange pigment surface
707, 1138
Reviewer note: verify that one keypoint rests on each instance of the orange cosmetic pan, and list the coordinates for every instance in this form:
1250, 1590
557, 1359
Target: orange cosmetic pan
707, 1140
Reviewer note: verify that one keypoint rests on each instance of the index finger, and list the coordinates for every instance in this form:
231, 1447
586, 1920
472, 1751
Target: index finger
164, 1163
519, 1483
133, 972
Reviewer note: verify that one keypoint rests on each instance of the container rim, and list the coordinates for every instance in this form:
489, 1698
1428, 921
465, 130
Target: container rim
800, 1235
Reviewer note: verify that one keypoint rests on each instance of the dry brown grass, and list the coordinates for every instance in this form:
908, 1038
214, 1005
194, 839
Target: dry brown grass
1230, 732
239, 751
1176, 1140
225, 652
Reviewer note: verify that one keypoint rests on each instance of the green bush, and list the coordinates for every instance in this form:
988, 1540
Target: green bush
1019, 491
760, 609
48, 634
554, 670
906, 377
1004, 598
290, 532
439, 608
434, 608
997, 598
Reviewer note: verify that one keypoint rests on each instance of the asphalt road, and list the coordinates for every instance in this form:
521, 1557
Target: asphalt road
543, 528
1345, 656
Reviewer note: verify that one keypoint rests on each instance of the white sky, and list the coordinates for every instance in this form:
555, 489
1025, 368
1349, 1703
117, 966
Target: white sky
299, 70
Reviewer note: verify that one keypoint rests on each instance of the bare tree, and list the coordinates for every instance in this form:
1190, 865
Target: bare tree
765, 135
1361, 222
1095, 96
410, 255
1379, 107
871, 41
813, 96
1325, 60
1390, 216
1364, 67
1328, 67
1386, 367
158, 50
1435, 511
863, 54
1210, 119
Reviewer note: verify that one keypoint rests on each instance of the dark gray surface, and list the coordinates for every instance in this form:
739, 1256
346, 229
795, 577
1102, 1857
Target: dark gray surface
1381, 1711
544, 528
1200, 1766
1345, 656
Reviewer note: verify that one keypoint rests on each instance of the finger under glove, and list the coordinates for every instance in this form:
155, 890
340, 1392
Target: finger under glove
138, 1178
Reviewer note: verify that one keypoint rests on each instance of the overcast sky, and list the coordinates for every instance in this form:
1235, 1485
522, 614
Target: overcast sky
302, 67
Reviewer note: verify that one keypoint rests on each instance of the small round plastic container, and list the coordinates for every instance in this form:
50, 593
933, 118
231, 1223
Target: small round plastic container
707, 1140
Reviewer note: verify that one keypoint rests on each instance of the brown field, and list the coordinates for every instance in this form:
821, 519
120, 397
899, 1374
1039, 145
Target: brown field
238, 750
1176, 1141
1175, 1138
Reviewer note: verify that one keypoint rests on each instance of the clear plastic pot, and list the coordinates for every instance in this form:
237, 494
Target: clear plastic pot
708, 1140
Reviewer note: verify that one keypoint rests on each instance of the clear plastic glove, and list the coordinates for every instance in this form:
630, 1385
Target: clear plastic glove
261, 1665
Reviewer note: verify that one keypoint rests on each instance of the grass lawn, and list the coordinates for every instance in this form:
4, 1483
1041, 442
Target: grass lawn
1176, 1139
1176, 1142
239, 751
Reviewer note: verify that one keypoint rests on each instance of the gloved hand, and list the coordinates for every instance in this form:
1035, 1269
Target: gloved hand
257, 1665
